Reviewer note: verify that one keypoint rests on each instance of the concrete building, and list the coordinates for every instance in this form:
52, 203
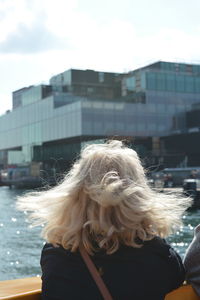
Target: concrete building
151, 106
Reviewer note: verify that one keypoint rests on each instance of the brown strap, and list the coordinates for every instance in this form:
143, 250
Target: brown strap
95, 274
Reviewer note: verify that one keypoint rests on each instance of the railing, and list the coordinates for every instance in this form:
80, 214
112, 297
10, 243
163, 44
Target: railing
21, 289
30, 289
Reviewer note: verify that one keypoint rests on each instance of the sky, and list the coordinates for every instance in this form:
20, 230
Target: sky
41, 38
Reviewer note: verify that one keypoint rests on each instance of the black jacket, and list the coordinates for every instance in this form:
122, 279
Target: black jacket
130, 273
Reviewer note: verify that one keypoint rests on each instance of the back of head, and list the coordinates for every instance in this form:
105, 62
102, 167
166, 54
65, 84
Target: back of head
104, 201
108, 170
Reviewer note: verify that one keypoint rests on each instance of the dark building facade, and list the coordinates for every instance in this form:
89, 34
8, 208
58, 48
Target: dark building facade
88, 83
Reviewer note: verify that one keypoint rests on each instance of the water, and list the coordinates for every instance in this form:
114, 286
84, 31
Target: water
20, 245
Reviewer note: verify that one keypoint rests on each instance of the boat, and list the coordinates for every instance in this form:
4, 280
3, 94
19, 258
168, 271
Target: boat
30, 289
21, 289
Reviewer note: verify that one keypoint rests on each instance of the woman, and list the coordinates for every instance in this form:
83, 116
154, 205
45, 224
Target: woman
105, 205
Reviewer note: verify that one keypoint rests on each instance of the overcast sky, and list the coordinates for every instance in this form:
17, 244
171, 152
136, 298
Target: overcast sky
40, 38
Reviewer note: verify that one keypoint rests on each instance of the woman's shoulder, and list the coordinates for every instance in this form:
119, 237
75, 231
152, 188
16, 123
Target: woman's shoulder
157, 245
57, 254
155, 249
164, 249
168, 255
49, 248
57, 251
57, 261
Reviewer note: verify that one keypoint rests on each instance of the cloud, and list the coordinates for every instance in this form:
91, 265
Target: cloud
39, 39
27, 39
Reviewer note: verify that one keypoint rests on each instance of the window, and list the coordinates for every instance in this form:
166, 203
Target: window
98, 127
170, 82
196, 69
141, 126
151, 107
90, 90
151, 81
130, 83
197, 84
180, 83
101, 77
189, 84
167, 66
160, 82
151, 126
182, 68
161, 108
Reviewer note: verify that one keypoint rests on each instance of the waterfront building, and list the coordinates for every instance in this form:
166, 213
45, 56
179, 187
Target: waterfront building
153, 107
170, 93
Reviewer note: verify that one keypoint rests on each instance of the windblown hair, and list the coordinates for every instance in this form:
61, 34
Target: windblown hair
104, 201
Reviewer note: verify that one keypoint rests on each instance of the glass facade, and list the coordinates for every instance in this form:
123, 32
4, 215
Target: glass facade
130, 84
61, 79
39, 122
52, 123
172, 82
175, 67
32, 95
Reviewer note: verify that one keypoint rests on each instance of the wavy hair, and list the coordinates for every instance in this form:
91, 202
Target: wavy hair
104, 201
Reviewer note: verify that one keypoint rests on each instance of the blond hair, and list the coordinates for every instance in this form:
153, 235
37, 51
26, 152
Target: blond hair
104, 201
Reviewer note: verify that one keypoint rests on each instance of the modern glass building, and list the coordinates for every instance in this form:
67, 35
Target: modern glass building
172, 90
150, 106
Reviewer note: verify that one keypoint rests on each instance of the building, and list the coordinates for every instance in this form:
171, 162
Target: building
170, 93
155, 107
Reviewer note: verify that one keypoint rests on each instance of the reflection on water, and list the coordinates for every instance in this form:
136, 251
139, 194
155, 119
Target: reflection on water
21, 245
183, 237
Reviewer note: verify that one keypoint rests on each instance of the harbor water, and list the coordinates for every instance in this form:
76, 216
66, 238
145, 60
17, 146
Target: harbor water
21, 245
